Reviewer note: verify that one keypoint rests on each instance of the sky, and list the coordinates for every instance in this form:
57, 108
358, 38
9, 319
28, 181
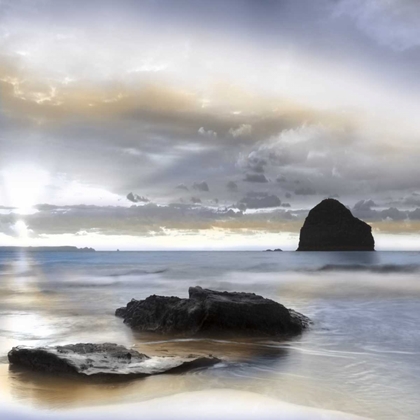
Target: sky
198, 124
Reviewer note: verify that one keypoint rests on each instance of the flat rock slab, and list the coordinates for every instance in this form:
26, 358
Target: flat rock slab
207, 312
102, 360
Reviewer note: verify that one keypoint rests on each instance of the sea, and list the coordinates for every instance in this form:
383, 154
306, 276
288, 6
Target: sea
361, 356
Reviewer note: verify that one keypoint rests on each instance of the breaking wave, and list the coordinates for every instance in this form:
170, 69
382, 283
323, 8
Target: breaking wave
382, 268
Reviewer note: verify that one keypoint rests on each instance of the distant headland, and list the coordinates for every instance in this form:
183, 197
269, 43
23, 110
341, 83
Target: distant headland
45, 248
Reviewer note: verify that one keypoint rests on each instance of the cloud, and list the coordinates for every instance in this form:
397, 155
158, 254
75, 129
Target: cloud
182, 187
232, 186
394, 23
259, 178
415, 214
195, 200
291, 146
147, 220
305, 191
288, 195
135, 198
208, 133
180, 219
201, 186
393, 214
162, 105
412, 200
259, 200
363, 205
241, 131
312, 155
255, 163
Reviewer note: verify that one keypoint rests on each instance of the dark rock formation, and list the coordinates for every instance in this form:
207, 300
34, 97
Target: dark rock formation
106, 359
207, 312
330, 226
274, 250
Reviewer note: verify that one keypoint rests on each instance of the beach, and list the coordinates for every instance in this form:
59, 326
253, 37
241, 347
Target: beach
359, 356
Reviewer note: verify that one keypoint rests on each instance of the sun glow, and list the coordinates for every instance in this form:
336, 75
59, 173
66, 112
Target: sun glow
22, 186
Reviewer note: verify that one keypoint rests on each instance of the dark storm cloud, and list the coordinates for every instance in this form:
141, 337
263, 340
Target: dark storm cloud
363, 205
7, 222
414, 200
391, 213
135, 198
258, 178
259, 200
232, 186
394, 214
313, 157
256, 164
182, 187
415, 214
305, 191
201, 186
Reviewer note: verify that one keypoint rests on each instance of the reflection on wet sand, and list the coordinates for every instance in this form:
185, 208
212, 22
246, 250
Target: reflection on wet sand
52, 391
258, 365
237, 349
213, 404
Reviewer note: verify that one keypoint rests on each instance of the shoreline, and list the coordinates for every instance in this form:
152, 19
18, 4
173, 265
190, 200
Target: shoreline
204, 405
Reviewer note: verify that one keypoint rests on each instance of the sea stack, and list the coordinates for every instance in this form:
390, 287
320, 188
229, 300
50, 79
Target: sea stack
330, 226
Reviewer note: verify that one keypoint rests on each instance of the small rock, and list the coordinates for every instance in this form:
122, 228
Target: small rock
106, 359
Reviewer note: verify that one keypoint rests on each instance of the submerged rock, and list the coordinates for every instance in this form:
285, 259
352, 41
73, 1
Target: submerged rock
208, 312
330, 226
102, 360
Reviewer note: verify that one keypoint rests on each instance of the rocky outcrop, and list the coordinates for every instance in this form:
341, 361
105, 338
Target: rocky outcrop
102, 360
330, 226
207, 312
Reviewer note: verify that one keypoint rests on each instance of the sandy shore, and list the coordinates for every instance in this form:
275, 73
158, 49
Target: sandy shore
203, 405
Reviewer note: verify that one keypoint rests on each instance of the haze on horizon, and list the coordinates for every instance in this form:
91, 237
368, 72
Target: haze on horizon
226, 120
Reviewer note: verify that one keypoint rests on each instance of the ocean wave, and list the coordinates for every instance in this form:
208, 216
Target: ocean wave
381, 268
136, 272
